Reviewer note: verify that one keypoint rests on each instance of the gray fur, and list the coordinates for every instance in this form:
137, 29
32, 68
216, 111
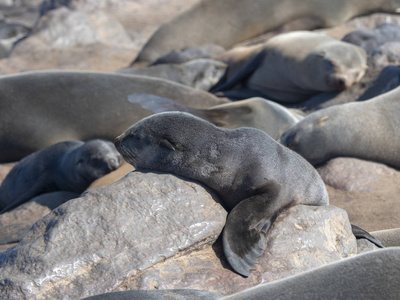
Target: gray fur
67, 166
268, 116
157, 295
242, 165
39, 109
366, 130
370, 276
388, 237
291, 67
227, 22
371, 39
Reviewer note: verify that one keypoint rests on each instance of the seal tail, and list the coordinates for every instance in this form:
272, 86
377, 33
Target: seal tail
360, 233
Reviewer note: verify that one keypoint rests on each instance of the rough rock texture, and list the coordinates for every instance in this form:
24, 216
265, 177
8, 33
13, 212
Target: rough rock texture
139, 19
354, 175
301, 238
18, 221
91, 244
67, 38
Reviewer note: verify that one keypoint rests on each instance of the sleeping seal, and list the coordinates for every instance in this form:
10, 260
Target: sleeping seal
366, 130
56, 106
67, 166
255, 176
292, 67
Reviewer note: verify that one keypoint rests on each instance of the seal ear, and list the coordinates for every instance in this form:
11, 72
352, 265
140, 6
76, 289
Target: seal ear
167, 144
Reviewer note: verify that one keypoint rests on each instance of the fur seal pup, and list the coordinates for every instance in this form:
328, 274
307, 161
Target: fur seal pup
67, 166
228, 22
39, 109
255, 176
292, 67
366, 130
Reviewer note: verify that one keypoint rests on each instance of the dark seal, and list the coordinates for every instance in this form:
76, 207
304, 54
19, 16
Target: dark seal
67, 166
255, 176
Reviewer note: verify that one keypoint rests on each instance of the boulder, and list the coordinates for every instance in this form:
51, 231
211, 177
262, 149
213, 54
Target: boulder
91, 244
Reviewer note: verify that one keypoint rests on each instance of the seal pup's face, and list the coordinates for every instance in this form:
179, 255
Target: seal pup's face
152, 143
96, 158
174, 142
341, 65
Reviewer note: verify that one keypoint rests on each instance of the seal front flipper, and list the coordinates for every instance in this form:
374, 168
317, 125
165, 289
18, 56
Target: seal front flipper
240, 75
360, 233
244, 234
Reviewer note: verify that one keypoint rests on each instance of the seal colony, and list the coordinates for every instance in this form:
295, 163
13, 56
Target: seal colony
255, 176
67, 166
203, 24
292, 67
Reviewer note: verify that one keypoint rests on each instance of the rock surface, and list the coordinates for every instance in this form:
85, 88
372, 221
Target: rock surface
15, 223
354, 175
122, 236
91, 244
301, 238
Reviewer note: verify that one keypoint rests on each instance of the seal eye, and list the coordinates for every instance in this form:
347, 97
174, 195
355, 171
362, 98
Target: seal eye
80, 161
167, 144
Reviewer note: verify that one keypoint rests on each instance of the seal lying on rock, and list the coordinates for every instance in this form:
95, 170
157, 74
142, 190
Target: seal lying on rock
366, 130
66, 166
227, 22
255, 176
291, 67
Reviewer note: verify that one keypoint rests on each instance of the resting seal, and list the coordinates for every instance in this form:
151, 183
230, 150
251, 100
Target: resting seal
268, 116
56, 106
255, 176
366, 130
228, 22
292, 67
67, 166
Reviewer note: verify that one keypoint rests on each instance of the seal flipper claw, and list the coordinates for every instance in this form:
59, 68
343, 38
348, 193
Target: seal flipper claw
245, 232
360, 233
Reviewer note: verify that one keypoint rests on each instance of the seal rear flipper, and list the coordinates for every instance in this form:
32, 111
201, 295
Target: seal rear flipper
244, 234
360, 233
241, 75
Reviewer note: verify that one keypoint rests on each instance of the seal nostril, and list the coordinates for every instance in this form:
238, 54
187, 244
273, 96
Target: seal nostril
341, 84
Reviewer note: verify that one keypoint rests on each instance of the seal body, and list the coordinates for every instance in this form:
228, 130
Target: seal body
228, 22
66, 166
255, 176
366, 130
291, 67
56, 106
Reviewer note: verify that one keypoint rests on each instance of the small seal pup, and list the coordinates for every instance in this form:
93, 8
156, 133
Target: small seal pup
255, 176
366, 130
292, 67
67, 166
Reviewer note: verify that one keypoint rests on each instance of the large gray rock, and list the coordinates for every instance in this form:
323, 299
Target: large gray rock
14, 223
353, 174
91, 244
302, 238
